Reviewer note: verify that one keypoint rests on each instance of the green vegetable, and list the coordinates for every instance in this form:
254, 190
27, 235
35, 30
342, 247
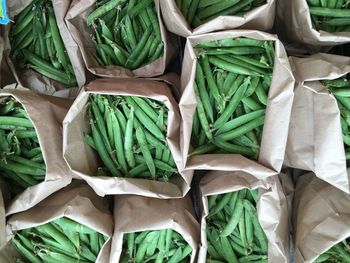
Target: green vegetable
126, 33
340, 88
37, 44
21, 161
234, 233
59, 241
128, 133
330, 16
231, 88
197, 12
164, 245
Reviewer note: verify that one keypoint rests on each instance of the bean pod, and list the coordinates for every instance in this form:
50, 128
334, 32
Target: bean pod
126, 33
155, 246
198, 12
62, 240
21, 160
232, 82
37, 44
129, 135
234, 233
330, 16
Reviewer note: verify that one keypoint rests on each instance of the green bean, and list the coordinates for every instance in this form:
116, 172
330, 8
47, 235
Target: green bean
192, 10
134, 64
231, 148
232, 105
143, 246
202, 117
329, 12
227, 136
21, 168
24, 161
118, 144
66, 223
200, 81
258, 232
249, 228
228, 251
250, 104
105, 156
130, 32
214, 9
26, 242
237, 122
140, 136
145, 107
58, 43
26, 252
128, 143
203, 149
231, 67
158, 164
58, 236
22, 122
234, 220
102, 10
158, 52
19, 27
204, 61
94, 242
146, 121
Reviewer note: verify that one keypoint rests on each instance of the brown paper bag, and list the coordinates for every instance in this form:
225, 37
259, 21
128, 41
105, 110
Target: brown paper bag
47, 114
260, 18
135, 214
315, 141
76, 21
2, 221
293, 23
83, 160
77, 202
272, 209
31, 79
277, 112
320, 217
6, 76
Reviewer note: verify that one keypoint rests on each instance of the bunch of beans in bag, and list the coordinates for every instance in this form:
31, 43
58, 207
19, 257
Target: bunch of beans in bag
62, 240
234, 233
338, 253
340, 88
330, 16
233, 78
155, 246
129, 135
198, 12
126, 33
21, 164
36, 43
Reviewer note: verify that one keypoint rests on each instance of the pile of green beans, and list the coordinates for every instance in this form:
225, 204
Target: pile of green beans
340, 88
234, 233
37, 44
129, 135
155, 246
62, 240
21, 161
233, 77
330, 15
340, 253
126, 33
198, 12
